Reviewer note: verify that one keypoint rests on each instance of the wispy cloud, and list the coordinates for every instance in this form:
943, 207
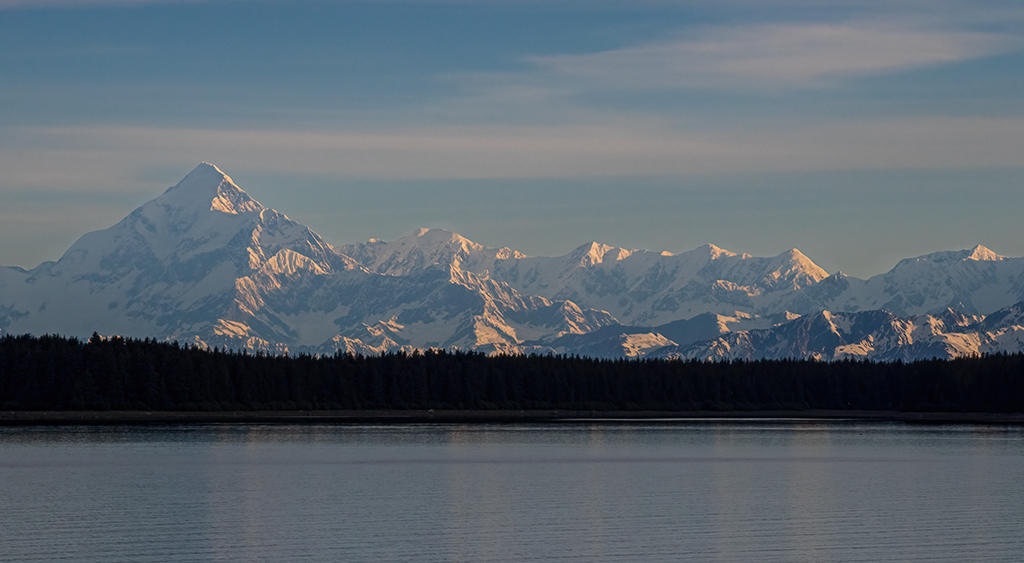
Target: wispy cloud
428, 152
76, 159
784, 56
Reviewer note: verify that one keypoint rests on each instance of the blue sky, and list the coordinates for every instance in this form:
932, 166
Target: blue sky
860, 132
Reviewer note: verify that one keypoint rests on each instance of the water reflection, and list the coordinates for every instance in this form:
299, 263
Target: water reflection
593, 492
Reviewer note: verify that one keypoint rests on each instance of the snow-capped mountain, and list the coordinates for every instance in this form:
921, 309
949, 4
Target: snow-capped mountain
424, 248
975, 281
193, 261
635, 286
651, 288
206, 263
876, 335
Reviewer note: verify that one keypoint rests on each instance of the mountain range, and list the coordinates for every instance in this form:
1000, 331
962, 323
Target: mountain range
205, 263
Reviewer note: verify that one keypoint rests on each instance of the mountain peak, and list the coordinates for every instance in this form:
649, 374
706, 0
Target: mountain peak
435, 239
979, 252
435, 234
206, 183
796, 257
715, 252
595, 253
201, 177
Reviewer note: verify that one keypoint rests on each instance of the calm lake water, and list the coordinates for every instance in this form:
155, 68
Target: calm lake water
730, 491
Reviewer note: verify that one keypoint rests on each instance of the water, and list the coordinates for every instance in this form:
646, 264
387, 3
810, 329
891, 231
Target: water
743, 491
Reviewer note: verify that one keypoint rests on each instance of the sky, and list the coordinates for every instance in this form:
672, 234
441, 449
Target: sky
860, 132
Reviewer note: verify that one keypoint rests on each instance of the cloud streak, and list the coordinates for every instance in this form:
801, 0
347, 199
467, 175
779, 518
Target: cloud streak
95, 158
774, 57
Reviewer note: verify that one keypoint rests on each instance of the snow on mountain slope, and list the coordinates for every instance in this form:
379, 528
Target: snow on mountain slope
1004, 318
443, 306
876, 335
974, 281
204, 262
172, 266
649, 288
425, 248
624, 346
635, 286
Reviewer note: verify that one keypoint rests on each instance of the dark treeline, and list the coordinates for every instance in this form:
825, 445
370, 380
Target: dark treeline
58, 373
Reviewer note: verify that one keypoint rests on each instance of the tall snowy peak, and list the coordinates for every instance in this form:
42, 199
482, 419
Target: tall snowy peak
206, 187
199, 251
200, 224
205, 262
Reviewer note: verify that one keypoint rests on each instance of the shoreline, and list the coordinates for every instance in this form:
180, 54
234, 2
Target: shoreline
68, 418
